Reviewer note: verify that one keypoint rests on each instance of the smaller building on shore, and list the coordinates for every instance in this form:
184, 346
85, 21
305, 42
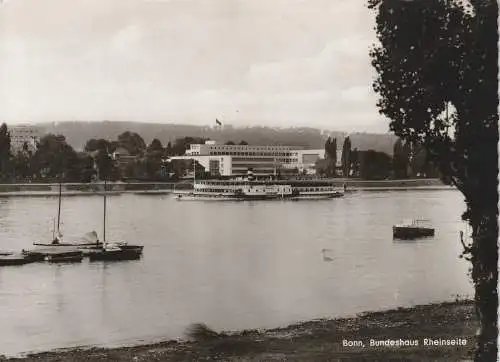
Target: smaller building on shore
122, 157
24, 137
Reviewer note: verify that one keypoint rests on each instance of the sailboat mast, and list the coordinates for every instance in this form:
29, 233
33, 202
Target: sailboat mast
104, 215
59, 207
194, 176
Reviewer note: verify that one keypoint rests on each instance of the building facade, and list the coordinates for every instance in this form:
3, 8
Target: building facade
233, 160
122, 157
23, 135
263, 160
304, 161
215, 165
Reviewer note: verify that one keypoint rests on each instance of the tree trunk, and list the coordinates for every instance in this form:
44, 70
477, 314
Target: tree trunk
484, 258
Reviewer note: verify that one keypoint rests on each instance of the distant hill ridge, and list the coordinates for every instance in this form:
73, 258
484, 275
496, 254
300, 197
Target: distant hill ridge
77, 134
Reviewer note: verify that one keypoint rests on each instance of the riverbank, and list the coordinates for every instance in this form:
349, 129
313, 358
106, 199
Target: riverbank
392, 185
158, 188
320, 340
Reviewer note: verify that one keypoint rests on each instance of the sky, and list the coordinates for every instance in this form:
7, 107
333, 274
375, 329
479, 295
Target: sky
245, 62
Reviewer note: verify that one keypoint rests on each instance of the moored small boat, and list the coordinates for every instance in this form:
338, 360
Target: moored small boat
89, 240
116, 253
413, 229
85, 241
15, 259
113, 251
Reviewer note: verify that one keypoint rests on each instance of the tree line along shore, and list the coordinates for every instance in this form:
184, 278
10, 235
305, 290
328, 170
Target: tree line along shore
442, 331
128, 157
159, 187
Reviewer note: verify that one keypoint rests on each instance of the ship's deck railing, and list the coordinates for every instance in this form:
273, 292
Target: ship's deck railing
416, 222
305, 183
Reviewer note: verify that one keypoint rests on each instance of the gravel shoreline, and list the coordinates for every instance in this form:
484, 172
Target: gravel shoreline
443, 331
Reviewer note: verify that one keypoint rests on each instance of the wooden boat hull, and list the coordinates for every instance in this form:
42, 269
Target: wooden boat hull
137, 248
74, 245
7, 260
116, 255
407, 232
65, 258
35, 256
319, 196
54, 255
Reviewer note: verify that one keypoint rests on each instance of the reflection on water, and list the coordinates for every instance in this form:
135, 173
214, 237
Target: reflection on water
230, 265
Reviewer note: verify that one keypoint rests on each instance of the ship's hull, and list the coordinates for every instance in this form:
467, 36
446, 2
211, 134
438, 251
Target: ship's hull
225, 198
325, 196
217, 197
130, 253
409, 232
206, 197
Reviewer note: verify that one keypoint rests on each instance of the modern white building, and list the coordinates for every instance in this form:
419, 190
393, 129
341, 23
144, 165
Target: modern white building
304, 160
21, 135
262, 160
216, 165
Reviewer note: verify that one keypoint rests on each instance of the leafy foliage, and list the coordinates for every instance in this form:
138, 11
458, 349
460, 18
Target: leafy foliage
437, 66
346, 157
94, 144
132, 142
321, 167
168, 149
401, 160
55, 159
101, 150
331, 156
5, 154
374, 165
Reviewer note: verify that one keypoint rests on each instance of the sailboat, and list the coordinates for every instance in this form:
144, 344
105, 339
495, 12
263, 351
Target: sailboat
88, 240
114, 251
56, 251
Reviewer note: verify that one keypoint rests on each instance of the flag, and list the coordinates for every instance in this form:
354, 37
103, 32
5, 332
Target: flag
218, 122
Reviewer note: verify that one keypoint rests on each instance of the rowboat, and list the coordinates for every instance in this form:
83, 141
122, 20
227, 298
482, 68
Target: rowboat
413, 229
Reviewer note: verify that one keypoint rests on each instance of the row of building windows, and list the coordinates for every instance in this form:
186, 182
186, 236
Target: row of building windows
255, 169
247, 148
216, 190
313, 189
269, 154
260, 160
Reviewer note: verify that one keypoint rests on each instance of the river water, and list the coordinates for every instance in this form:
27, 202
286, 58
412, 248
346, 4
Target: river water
231, 265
